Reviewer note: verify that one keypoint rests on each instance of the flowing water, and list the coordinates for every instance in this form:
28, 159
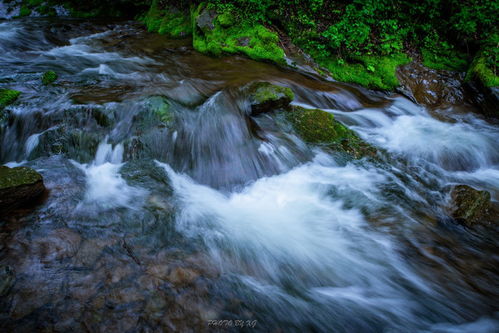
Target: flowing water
216, 215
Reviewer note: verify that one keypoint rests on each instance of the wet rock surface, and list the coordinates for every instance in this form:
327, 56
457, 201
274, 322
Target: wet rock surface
440, 89
431, 87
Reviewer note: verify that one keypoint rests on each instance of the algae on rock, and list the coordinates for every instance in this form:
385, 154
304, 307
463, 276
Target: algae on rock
18, 186
265, 96
8, 96
319, 127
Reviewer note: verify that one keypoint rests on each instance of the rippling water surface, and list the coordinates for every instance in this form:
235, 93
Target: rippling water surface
152, 227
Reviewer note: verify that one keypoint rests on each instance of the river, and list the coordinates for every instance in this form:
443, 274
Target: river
220, 216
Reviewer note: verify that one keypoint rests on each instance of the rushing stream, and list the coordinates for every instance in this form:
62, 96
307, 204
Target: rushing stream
219, 215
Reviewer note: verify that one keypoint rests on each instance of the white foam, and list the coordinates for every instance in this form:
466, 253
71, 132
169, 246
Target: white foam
106, 189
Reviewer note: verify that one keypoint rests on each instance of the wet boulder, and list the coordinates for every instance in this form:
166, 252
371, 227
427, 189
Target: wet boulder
265, 97
470, 206
18, 186
320, 127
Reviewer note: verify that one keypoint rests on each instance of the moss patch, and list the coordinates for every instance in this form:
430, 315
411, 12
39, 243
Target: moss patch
8, 96
24, 11
49, 77
265, 97
13, 177
216, 33
319, 127
167, 21
376, 72
479, 70
445, 60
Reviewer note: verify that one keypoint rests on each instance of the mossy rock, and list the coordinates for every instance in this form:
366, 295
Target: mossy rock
157, 113
18, 186
160, 106
470, 206
216, 33
374, 72
49, 77
8, 96
319, 127
265, 97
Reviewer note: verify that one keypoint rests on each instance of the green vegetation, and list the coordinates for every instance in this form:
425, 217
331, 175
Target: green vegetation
377, 72
215, 32
481, 71
24, 11
168, 21
319, 127
49, 77
358, 41
8, 96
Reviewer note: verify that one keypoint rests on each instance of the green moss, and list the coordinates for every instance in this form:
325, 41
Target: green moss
445, 60
226, 19
376, 72
25, 11
265, 92
319, 127
479, 70
249, 38
34, 3
47, 10
170, 22
13, 177
49, 77
8, 96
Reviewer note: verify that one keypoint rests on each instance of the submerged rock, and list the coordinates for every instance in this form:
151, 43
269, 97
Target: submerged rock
265, 97
49, 77
319, 127
18, 186
7, 279
470, 206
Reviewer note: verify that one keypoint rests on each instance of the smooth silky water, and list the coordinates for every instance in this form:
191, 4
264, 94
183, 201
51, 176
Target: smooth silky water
222, 216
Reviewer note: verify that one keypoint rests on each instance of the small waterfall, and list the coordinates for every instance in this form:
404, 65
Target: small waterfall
106, 189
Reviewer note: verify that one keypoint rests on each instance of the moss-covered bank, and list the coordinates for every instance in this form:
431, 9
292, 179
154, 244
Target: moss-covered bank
358, 41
